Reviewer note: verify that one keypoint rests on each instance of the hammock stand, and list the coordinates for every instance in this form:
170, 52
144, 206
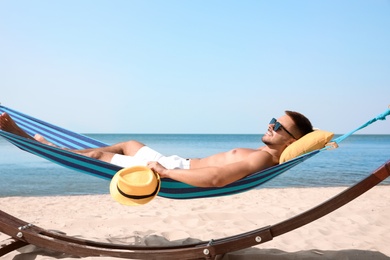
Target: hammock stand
23, 233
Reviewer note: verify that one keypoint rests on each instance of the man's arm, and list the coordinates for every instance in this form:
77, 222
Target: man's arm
217, 176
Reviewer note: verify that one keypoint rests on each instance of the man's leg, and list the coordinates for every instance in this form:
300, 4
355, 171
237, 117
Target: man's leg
129, 148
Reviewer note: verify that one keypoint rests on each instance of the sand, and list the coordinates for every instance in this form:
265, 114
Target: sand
359, 230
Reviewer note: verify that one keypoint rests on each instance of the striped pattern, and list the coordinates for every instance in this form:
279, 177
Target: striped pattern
57, 135
68, 139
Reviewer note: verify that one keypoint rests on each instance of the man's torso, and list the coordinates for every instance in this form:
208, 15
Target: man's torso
224, 158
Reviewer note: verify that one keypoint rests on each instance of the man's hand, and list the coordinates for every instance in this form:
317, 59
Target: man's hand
158, 168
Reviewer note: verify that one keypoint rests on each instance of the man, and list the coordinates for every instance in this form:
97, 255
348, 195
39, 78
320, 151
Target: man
213, 171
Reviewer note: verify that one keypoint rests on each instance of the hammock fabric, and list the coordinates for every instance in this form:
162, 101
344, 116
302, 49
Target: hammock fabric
169, 188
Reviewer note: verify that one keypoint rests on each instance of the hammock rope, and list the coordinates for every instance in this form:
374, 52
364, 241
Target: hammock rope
381, 116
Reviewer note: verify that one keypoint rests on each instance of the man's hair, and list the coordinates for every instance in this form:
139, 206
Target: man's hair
302, 123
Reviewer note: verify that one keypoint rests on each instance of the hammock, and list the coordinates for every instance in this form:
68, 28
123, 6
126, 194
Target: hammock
169, 188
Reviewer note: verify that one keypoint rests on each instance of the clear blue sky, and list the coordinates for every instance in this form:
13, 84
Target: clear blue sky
196, 66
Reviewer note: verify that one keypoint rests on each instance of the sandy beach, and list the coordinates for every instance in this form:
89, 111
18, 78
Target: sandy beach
359, 230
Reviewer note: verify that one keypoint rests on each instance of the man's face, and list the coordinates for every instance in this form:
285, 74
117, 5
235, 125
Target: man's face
280, 131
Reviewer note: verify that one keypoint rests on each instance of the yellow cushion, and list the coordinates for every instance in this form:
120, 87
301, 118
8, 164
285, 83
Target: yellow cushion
310, 142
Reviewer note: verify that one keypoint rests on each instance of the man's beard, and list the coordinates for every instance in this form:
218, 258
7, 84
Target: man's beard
265, 141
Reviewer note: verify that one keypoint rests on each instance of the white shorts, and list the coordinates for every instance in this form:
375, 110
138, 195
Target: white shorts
145, 155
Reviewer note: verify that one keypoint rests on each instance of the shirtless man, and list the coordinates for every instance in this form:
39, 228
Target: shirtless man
214, 171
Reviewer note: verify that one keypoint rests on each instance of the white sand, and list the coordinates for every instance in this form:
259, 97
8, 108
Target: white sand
359, 230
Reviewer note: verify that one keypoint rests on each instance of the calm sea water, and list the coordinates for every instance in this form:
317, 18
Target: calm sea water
23, 174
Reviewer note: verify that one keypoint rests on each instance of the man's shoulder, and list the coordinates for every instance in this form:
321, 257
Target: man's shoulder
262, 157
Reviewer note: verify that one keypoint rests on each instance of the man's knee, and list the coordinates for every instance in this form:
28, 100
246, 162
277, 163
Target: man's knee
132, 147
134, 143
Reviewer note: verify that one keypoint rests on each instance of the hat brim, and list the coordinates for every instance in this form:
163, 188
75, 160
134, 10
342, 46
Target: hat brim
116, 195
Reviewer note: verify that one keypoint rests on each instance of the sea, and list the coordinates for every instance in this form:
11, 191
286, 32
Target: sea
24, 174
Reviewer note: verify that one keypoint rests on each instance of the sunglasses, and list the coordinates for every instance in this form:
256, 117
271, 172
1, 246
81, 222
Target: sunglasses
278, 126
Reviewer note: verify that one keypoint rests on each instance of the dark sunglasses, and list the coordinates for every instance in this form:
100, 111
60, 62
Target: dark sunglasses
278, 125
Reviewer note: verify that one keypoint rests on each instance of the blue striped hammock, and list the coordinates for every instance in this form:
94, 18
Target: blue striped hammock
169, 188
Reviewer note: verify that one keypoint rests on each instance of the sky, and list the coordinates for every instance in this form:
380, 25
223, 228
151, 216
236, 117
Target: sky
196, 66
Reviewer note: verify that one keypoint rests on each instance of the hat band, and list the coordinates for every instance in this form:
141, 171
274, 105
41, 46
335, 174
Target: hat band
138, 197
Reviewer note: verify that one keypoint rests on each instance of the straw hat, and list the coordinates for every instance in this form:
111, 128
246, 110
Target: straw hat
135, 185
